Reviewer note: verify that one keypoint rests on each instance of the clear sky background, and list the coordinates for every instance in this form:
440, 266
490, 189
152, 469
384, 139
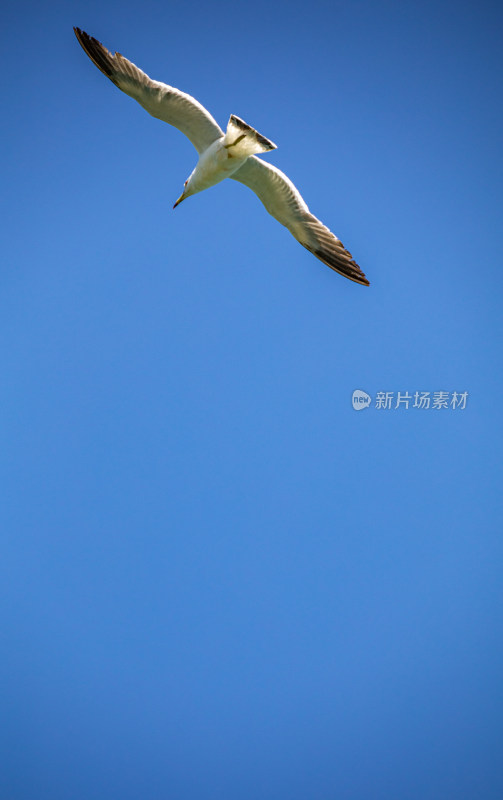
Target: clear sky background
219, 580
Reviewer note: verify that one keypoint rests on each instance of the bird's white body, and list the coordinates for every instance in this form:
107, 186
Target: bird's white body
215, 164
223, 157
229, 155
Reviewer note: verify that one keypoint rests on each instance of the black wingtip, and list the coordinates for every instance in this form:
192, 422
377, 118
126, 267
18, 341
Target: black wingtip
98, 54
345, 266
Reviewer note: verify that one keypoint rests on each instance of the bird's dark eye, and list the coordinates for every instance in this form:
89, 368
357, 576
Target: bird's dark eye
186, 182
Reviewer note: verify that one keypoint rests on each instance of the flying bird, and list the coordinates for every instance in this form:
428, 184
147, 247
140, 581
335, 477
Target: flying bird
229, 155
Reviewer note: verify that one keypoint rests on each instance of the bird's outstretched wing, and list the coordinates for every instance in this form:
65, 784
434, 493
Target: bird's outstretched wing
284, 202
162, 101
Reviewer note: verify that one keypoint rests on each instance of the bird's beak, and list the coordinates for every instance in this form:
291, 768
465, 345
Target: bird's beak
182, 197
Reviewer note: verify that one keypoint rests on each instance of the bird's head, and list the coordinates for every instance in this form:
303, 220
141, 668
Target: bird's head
187, 191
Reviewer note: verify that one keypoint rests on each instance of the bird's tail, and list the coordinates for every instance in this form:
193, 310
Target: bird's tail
243, 140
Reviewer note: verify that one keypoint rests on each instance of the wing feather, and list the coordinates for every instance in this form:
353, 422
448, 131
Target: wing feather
160, 100
285, 203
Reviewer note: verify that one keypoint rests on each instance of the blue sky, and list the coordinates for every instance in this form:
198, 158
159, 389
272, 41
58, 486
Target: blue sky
219, 580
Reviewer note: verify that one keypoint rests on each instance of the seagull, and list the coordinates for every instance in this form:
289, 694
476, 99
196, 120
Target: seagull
230, 155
